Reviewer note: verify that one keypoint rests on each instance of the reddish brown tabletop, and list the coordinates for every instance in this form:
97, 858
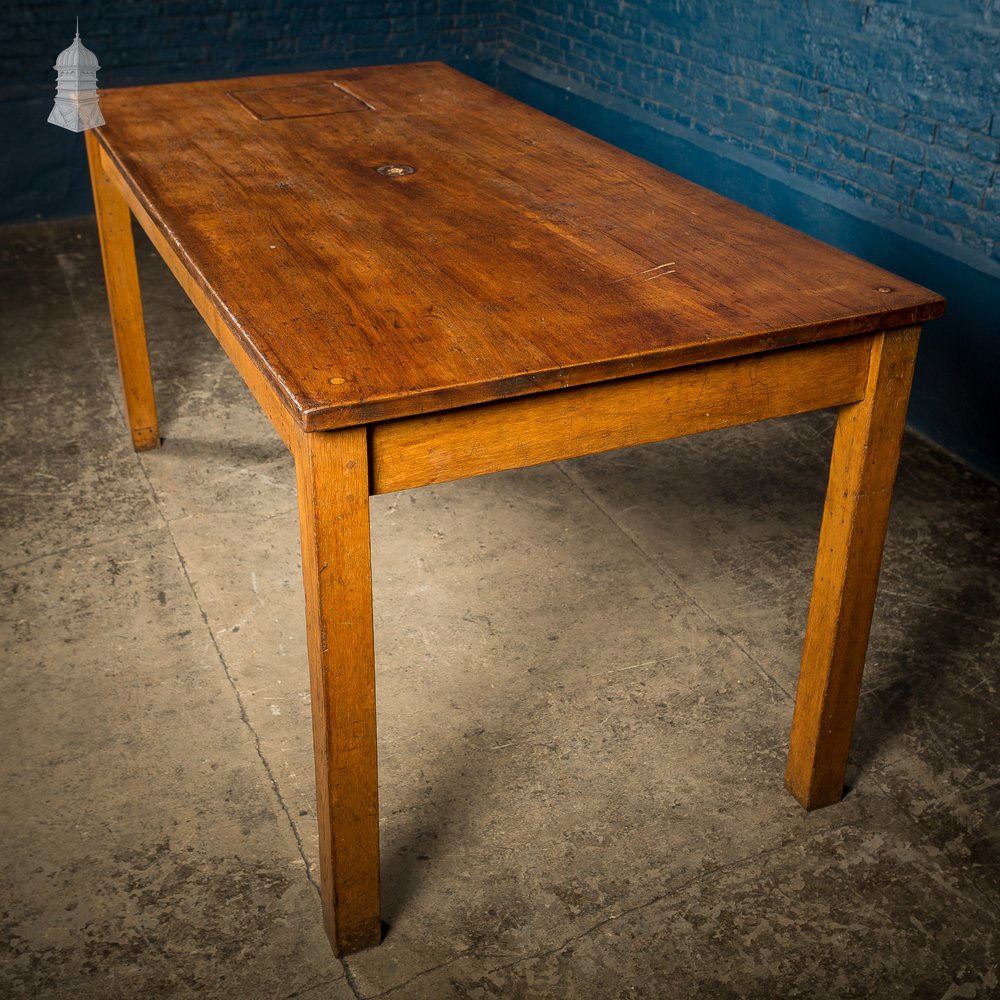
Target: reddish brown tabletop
520, 255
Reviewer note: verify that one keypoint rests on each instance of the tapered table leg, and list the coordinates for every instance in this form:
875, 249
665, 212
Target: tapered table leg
862, 471
332, 474
114, 224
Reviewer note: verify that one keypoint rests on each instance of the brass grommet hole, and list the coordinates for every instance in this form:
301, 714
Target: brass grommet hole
395, 170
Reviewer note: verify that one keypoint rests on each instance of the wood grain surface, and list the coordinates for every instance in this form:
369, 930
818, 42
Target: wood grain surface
332, 476
521, 254
855, 515
211, 309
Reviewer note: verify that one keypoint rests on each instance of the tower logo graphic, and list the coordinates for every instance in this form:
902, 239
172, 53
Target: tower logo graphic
76, 106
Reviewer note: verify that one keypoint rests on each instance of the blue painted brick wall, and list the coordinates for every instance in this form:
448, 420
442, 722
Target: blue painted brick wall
892, 104
153, 40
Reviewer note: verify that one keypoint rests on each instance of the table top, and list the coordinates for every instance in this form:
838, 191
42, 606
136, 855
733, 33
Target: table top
520, 254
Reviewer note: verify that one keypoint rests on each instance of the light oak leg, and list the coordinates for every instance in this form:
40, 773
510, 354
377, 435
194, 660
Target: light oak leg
862, 471
114, 224
332, 474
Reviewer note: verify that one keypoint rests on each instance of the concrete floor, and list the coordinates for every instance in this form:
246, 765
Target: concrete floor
585, 678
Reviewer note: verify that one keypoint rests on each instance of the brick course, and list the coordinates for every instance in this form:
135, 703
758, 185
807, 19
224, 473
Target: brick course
894, 104
143, 41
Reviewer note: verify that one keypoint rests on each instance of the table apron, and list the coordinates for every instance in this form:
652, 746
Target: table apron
583, 420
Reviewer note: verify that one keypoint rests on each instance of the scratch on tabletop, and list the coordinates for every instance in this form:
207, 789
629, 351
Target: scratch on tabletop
649, 270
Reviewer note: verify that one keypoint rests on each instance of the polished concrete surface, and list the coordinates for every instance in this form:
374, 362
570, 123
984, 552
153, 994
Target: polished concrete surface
585, 680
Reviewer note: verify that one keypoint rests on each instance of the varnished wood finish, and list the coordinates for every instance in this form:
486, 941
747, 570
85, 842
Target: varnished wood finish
114, 227
521, 256
528, 293
215, 314
513, 433
332, 476
862, 470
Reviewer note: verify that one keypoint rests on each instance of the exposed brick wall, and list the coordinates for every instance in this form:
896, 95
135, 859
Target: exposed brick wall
894, 104
153, 40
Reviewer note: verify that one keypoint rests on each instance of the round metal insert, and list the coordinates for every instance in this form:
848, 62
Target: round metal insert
395, 170
884, 289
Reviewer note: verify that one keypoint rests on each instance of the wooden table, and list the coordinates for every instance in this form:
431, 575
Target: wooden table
420, 279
